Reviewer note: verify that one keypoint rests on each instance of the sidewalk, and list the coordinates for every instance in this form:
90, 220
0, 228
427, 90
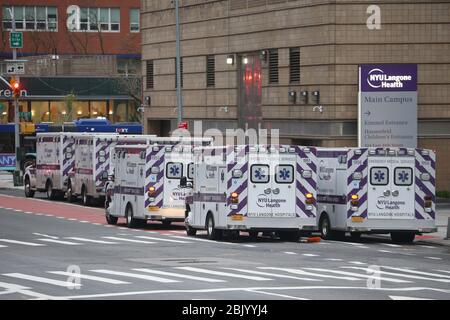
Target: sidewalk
442, 216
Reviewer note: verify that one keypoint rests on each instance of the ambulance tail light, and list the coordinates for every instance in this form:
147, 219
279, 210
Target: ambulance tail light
309, 198
428, 201
237, 173
234, 197
151, 191
354, 202
307, 174
357, 176
425, 177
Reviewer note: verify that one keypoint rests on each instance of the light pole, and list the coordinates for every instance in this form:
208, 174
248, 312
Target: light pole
17, 173
178, 71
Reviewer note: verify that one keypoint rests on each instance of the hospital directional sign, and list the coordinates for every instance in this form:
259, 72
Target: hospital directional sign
15, 68
16, 40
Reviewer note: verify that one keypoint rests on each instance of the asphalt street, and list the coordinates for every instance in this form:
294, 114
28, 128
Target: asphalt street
56, 250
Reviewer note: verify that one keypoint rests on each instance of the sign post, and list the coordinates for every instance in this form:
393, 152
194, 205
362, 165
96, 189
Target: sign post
387, 106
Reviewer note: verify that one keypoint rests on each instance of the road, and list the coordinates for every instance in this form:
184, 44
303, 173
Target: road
54, 250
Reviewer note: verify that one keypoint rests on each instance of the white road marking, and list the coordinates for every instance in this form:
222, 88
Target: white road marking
28, 212
69, 243
97, 224
14, 288
84, 221
72, 219
58, 283
88, 277
23, 243
391, 245
128, 240
428, 247
310, 255
418, 272
357, 262
136, 275
289, 252
301, 272
352, 274
399, 274
434, 258
384, 251
445, 271
91, 240
18, 210
192, 238
333, 259
225, 274
275, 275
2, 246
277, 295
407, 298
45, 235
49, 215
161, 239
178, 275
178, 231
249, 245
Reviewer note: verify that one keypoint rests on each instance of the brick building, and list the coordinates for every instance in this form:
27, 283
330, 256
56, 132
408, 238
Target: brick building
276, 47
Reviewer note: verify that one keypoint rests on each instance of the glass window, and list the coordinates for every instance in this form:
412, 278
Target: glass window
52, 18
39, 111
3, 112
56, 111
93, 19
7, 18
119, 111
104, 19
379, 176
19, 16
260, 173
30, 18
98, 109
403, 176
284, 174
174, 170
134, 20
115, 19
84, 19
40, 17
80, 109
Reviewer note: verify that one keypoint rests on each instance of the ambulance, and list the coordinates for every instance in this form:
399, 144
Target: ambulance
147, 181
54, 163
376, 190
253, 188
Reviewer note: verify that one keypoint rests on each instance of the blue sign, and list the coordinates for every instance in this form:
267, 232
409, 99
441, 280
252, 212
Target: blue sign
7, 161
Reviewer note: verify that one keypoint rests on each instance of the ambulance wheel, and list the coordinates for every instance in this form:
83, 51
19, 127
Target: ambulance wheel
403, 237
111, 219
292, 236
131, 222
190, 231
49, 190
211, 232
85, 199
325, 228
28, 192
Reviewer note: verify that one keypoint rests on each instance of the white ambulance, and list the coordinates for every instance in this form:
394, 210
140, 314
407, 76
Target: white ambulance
376, 190
147, 183
91, 166
253, 188
54, 163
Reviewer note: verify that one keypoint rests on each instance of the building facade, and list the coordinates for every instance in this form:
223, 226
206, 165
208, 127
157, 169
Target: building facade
88, 72
293, 66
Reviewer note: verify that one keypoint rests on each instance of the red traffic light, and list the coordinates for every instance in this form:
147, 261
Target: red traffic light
15, 86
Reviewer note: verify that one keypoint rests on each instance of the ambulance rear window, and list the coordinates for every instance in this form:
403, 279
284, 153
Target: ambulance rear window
284, 174
190, 171
379, 176
260, 173
174, 170
403, 176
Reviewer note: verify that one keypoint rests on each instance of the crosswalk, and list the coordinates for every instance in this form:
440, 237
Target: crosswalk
222, 276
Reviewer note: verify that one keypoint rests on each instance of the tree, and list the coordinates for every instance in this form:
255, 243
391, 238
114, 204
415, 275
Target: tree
131, 86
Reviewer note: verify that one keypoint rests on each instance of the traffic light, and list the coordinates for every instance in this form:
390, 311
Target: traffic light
15, 87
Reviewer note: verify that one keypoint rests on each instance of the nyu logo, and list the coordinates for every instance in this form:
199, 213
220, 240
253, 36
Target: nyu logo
377, 79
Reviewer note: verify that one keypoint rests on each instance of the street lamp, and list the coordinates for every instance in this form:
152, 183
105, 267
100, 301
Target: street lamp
178, 49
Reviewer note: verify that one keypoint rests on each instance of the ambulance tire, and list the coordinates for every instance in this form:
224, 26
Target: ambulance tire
325, 228
166, 223
211, 232
28, 192
190, 231
355, 236
403, 237
253, 235
51, 194
131, 222
85, 198
111, 219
